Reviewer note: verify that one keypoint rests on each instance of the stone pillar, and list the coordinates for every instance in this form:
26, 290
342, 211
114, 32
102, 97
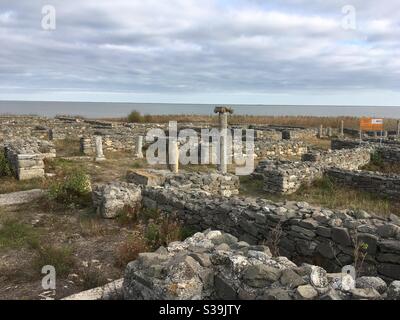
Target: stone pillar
321, 131
174, 156
51, 136
223, 126
99, 149
223, 122
398, 128
139, 147
329, 132
361, 137
342, 128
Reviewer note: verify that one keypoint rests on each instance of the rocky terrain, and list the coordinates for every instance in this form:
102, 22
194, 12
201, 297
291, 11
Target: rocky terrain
78, 194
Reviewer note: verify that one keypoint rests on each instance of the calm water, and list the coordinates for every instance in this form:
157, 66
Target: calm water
105, 109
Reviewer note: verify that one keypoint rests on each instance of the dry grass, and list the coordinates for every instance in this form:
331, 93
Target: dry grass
67, 148
130, 249
303, 121
326, 193
11, 184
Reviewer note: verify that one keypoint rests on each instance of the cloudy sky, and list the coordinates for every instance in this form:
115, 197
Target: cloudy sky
204, 51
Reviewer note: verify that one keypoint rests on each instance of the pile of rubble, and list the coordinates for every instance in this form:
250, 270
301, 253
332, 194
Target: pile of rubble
216, 265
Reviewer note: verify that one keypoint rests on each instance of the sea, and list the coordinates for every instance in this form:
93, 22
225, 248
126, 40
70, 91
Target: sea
117, 110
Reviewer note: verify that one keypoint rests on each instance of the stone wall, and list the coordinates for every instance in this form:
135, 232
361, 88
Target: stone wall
299, 134
389, 154
345, 159
216, 265
374, 182
212, 182
278, 149
286, 177
25, 157
301, 232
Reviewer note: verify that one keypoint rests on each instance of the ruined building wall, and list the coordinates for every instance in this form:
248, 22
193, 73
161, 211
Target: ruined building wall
325, 237
286, 177
381, 184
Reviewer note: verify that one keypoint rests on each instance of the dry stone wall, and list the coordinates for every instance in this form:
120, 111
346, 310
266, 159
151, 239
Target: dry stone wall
286, 177
387, 185
25, 157
305, 233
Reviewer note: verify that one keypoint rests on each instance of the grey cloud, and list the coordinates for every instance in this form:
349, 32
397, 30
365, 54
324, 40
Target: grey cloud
198, 46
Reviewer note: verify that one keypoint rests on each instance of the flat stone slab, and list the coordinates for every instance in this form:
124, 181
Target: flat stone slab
20, 197
110, 291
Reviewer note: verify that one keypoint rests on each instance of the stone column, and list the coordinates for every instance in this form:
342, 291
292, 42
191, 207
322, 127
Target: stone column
398, 128
321, 131
139, 147
329, 132
223, 126
174, 156
99, 149
342, 128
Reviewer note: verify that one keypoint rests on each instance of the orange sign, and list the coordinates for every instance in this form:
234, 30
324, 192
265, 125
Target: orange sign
371, 124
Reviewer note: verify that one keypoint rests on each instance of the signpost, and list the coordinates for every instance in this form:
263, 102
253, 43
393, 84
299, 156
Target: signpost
371, 124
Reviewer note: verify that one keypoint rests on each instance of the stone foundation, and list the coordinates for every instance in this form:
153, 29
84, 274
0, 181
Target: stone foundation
300, 231
286, 177
380, 184
25, 157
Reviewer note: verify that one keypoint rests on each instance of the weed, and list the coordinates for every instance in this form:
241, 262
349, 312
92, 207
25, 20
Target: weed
130, 249
14, 234
73, 191
61, 258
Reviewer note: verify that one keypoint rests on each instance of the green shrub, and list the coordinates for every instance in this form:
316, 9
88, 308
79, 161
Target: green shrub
135, 116
73, 191
5, 169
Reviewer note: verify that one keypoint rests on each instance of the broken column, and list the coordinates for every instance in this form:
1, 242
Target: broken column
398, 128
173, 156
223, 124
139, 147
99, 149
321, 131
342, 128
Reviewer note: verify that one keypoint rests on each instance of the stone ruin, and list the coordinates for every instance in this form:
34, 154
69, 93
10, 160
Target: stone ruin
26, 156
259, 249
110, 198
286, 177
216, 265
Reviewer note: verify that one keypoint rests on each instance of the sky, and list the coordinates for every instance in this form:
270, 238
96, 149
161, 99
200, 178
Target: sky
205, 51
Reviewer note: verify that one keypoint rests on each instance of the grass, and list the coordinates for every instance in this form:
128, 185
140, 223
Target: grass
251, 186
10, 184
14, 234
325, 193
130, 249
67, 148
302, 121
92, 226
92, 277
60, 257
377, 164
